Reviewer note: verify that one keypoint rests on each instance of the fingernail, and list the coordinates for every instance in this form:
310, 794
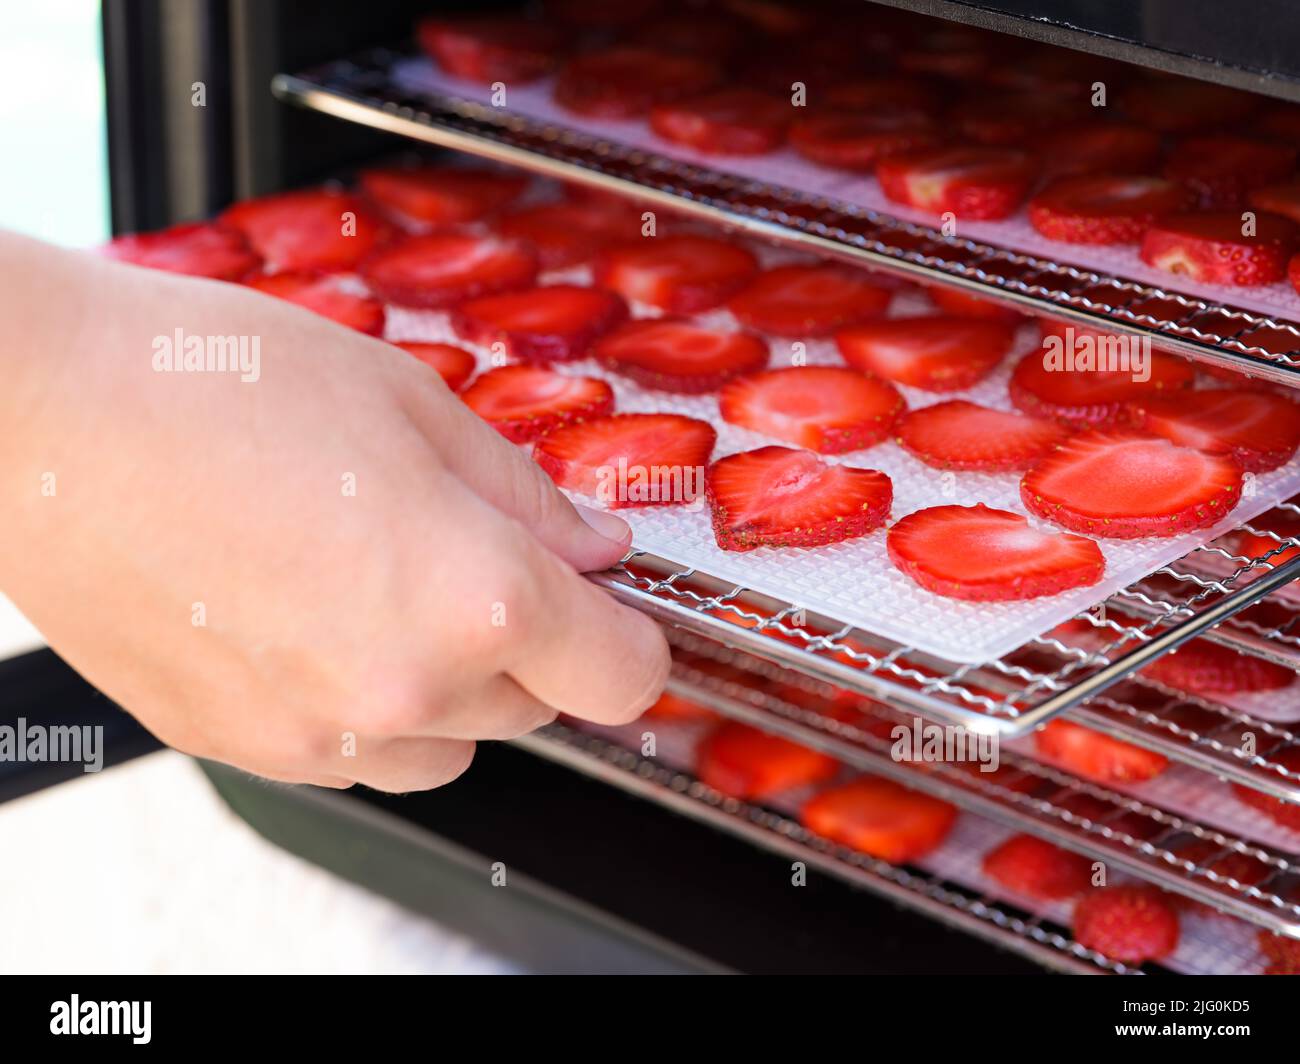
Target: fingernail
611, 527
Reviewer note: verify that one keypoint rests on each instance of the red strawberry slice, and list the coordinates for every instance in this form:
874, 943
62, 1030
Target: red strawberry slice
453, 364
311, 229
1277, 809
492, 48
735, 121
823, 408
630, 459
877, 816
964, 436
566, 234
1131, 924
526, 402
1044, 384
1103, 210
625, 82
962, 304
1210, 247
1220, 171
971, 183
1281, 199
675, 355
858, 140
1007, 119
751, 765
780, 497
199, 250
675, 707
323, 296
1206, 853
1178, 105
681, 274
1095, 756
444, 269
1098, 148
1284, 523
440, 195
809, 300
938, 354
892, 95
1029, 865
549, 324
984, 555
1129, 486
1261, 430
1202, 667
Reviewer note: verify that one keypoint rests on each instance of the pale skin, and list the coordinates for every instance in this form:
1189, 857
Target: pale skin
259, 571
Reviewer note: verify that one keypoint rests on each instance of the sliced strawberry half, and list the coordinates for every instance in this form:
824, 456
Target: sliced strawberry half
526, 402
1211, 247
566, 234
682, 274
1261, 430
1206, 853
1277, 809
751, 765
549, 324
823, 408
1095, 756
735, 121
877, 816
1006, 119
444, 269
627, 81
1202, 667
1282, 199
964, 436
1131, 924
1220, 171
630, 459
675, 355
1033, 867
323, 295
1044, 384
1104, 210
984, 555
493, 47
1130, 486
437, 196
808, 300
199, 250
453, 364
962, 304
1179, 105
1098, 148
1283, 523
971, 183
937, 353
311, 229
858, 140
780, 497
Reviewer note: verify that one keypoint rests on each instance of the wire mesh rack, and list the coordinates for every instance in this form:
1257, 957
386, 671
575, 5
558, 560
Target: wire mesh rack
362, 90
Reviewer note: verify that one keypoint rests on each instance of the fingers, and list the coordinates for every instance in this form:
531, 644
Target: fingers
400, 766
499, 709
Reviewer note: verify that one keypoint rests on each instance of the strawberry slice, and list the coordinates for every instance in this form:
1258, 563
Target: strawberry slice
1131, 924
1103, 210
780, 497
1202, 667
1284, 523
1261, 430
1129, 486
549, 324
808, 300
1210, 247
492, 48
937, 353
963, 436
1095, 756
630, 459
434, 196
200, 249
1277, 809
675, 707
1031, 866
1281, 199
751, 765
735, 121
1098, 148
1220, 171
858, 140
823, 408
1009, 119
444, 269
675, 355
566, 234
310, 229
1179, 105
453, 364
877, 816
984, 555
962, 304
322, 295
627, 81
1044, 385
681, 274
1205, 853
526, 402
972, 183
892, 95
